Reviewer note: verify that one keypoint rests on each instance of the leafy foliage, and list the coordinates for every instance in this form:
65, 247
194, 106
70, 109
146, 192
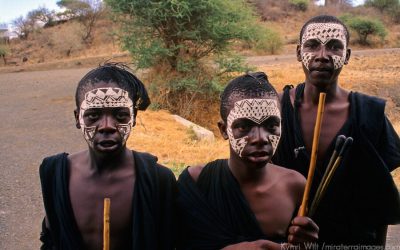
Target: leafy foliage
268, 41
4, 51
364, 27
186, 43
382, 4
301, 5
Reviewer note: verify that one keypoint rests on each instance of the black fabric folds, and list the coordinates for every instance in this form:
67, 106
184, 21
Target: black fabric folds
213, 211
362, 195
154, 216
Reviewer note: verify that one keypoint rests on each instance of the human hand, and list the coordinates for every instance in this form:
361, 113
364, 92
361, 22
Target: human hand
302, 229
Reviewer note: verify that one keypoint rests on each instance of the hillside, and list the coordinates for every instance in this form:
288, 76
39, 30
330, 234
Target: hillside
64, 42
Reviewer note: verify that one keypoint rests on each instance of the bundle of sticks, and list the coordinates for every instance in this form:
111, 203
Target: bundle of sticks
342, 145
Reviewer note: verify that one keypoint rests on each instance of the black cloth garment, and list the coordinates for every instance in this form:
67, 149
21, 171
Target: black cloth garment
213, 211
361, 197
153, 223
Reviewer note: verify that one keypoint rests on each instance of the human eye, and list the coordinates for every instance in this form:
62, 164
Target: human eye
92, 115
311, 44
122, 115
241, 125
335, 45
272, 124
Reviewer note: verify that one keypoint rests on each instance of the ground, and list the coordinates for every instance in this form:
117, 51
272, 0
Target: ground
37, 108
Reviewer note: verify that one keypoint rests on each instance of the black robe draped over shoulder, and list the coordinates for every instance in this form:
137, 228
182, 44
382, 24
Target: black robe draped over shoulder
153, 223
213, 211
362, 196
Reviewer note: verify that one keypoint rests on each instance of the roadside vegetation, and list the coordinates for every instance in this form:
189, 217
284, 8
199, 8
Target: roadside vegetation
185, 51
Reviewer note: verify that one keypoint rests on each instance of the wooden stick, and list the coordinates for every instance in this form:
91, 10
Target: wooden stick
314, 152
328, 179
338, 146
106, 224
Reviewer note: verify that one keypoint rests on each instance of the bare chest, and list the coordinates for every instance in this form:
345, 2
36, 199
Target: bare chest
273, 209
333, 120
87, 198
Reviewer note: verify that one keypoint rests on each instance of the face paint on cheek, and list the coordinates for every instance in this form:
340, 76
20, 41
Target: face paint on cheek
324, 32
106, 98
257, 110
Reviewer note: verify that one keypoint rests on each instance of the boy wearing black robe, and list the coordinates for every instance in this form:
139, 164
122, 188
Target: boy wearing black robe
74, 186
361, 199
244, 202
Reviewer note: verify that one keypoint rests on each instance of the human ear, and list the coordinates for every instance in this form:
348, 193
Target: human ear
76, 115
298, 53
222, 129
348, 53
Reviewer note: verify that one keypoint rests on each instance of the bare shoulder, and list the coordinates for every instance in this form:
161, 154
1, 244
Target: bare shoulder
290, 177
195, 171
77, 159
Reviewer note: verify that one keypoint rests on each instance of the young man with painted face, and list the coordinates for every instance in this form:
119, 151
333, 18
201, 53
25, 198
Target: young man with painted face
244, 202
361, 199
74, 185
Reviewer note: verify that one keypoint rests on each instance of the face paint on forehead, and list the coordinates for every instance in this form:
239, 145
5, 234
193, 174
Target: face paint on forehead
106, 98
324, 32
257, 110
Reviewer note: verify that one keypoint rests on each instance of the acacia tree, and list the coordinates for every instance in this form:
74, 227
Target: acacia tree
41, 14
87, 12
179, 34
23, 26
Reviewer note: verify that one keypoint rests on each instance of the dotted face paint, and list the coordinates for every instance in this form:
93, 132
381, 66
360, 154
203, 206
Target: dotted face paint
106, 98
324, 32
256, 110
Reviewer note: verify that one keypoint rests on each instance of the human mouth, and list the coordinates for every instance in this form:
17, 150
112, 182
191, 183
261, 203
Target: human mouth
259, 156
321, 69
108, 144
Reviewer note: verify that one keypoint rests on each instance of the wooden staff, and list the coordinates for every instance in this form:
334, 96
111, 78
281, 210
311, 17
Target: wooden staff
314, 152
106, 224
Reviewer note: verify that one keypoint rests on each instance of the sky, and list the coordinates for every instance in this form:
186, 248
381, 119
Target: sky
12, 9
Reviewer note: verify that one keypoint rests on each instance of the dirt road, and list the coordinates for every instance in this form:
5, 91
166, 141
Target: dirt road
38, 121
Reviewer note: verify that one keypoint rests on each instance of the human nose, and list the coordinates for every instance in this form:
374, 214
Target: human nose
107, 124
322, 54
258, 135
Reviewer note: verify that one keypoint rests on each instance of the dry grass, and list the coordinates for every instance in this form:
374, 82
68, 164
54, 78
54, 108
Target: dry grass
158, 133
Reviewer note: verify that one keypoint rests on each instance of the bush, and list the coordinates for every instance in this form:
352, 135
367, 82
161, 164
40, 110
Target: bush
301, 5
269, 41
382, 4
3, 53
186, 43
364, 27
395, 14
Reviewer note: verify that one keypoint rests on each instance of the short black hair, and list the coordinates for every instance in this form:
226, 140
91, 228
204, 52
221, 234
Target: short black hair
119, 74
325, 19
252, 85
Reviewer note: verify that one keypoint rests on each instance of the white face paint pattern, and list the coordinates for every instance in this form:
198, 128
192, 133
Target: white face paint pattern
257, 110
324, 32
106, 98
